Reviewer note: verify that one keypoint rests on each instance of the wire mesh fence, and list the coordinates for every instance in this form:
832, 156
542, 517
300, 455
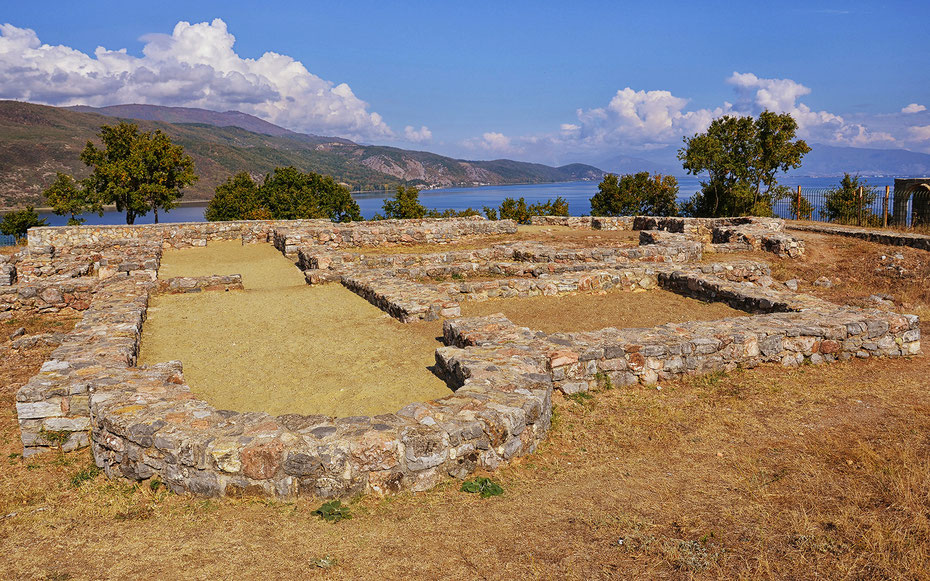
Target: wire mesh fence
6, 240
864, 206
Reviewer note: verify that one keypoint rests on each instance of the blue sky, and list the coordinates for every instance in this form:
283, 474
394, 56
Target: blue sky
541, 81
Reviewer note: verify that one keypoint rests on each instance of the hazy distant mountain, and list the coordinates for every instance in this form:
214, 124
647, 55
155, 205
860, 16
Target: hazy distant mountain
36, 141
822, 161
830, 160
661, 163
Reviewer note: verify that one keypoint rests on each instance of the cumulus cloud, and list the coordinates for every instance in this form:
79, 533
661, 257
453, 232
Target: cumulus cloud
496, 143
421, 135
639, 121
913, 108
195, 66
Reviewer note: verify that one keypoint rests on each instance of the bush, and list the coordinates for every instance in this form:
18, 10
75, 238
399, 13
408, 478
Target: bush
842, 203
19, 222
637, 194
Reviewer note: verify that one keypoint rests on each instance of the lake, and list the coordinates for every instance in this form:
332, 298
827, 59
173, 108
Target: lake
577, 194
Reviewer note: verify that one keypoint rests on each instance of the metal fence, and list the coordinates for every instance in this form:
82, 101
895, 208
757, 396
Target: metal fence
866, 206
7, 240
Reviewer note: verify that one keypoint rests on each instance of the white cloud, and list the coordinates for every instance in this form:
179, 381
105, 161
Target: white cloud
496, 143
920, 133
195, 66
639, 120
913, 108
421, 135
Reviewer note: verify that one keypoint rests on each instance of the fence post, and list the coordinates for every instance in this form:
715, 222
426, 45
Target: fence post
799, 203
885, 207
859, 212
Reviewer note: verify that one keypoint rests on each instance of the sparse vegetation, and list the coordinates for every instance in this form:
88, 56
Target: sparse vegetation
482, 486
333, 511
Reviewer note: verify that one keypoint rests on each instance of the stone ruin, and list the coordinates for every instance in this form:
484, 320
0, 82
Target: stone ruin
144, 422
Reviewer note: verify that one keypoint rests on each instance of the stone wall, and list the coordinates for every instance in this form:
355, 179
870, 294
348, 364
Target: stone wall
322, 232
196, 284
890, 237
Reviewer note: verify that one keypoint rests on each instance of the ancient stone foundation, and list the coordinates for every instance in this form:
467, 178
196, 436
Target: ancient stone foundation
143, 422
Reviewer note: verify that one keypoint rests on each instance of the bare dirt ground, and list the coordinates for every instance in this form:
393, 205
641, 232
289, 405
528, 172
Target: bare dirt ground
769, 473
590, 312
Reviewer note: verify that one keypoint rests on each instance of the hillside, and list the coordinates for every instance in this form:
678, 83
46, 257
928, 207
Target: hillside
36, 141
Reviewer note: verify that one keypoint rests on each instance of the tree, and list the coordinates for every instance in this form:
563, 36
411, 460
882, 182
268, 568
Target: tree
637, 194
289, 194
521, 212
742, 157
843, 204
137, 171
68, 198
405, 204
236, 199
18, 223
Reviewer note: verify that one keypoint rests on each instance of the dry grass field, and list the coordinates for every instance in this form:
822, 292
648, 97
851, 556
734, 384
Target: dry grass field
768, 473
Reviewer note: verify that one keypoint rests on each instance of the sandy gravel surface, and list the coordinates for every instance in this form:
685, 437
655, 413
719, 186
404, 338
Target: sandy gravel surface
281, 346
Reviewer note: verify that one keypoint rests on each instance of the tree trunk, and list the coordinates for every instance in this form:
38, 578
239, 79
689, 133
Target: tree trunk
130, 217
156, 214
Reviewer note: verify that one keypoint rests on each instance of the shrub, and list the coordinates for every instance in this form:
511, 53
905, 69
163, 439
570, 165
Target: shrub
19, 222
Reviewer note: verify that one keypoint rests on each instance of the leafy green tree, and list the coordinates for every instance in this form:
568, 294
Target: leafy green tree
556, 207
742, 157
405, 204
516, 210
637, 194
69, 198
289, 194
18, 223
842, 204
137, 171
236, 199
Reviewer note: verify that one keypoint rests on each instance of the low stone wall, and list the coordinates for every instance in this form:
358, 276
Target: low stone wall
196, 284
288, 239
172, 235
890, 237
50, 295
577, 222
796, 329
53, 407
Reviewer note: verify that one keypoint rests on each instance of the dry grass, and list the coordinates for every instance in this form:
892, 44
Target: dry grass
815, 472
10, 249
590, 312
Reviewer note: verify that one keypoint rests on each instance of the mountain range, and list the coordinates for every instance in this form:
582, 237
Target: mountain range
36, 141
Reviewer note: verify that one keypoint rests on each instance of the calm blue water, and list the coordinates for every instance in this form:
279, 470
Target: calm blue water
577, 194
